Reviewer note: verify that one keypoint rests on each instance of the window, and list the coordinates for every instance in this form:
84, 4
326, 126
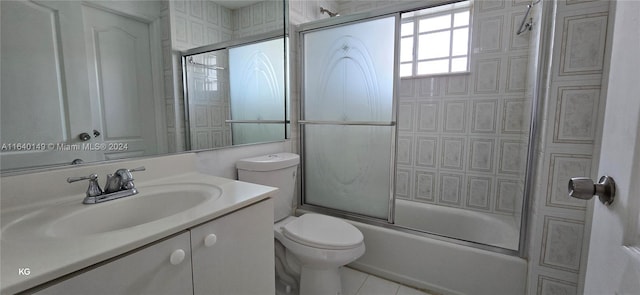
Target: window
435, 40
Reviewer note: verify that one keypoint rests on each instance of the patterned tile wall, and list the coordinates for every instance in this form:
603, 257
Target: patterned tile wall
209, 101
199, 22
468, 131
171, 104
568, 147
258, 18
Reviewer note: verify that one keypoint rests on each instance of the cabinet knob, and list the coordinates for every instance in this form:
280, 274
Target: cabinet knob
210, 240
177, 257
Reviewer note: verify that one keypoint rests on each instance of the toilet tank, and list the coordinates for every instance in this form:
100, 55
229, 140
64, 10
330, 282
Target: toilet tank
277, 170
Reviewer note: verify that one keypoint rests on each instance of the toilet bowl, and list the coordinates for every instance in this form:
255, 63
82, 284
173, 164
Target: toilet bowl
313, 246
321, 245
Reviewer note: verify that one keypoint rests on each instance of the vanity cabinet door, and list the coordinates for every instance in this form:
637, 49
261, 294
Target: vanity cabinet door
162, 268
234, 253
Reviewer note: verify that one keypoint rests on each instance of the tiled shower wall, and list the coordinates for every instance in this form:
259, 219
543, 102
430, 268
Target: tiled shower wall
195, 23
262, 17
300, 12
569, 145
460, 137
209, 100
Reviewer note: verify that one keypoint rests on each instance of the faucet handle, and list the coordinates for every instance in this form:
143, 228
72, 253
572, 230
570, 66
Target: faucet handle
141, 168
90, 177
125, 174
94, 189
125, 171
126, 178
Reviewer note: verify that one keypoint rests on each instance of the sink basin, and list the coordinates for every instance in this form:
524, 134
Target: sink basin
152, 203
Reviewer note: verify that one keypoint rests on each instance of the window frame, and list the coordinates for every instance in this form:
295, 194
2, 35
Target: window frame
415, 19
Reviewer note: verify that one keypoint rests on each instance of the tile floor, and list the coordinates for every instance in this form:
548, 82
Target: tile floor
355, 282
358, 283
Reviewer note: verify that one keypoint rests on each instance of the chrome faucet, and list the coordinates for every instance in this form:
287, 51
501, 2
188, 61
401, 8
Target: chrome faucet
121, 180
119, 185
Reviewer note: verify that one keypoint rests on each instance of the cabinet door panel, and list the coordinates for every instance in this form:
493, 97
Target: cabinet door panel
147, 271
240, 258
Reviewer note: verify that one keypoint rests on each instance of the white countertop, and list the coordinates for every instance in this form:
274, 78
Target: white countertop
48, 257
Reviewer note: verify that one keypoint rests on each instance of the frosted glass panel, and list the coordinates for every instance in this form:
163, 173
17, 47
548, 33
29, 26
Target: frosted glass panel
243, 133
347, 168
256, 76
348, 76
349, 72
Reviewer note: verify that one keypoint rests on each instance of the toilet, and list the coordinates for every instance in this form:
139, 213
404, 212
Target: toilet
310, 249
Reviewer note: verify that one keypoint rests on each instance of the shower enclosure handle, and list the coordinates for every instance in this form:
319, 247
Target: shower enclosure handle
583, 188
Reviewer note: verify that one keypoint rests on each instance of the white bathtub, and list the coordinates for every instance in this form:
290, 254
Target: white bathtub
437, 265
490, 229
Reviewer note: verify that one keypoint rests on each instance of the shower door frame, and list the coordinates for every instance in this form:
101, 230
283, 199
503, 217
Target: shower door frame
226, 45
332, 23
543, 63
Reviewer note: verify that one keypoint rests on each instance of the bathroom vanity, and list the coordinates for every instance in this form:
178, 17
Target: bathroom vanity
217, 257
184, 233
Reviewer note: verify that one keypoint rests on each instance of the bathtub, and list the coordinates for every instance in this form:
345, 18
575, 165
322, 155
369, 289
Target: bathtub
490, 229
437, 265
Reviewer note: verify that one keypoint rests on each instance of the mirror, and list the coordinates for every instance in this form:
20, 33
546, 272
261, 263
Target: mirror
234, 95
86, 81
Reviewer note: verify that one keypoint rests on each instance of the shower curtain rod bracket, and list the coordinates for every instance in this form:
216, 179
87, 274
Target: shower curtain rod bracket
524, 25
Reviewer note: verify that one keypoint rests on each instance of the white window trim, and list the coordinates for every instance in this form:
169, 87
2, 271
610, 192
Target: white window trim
416, 34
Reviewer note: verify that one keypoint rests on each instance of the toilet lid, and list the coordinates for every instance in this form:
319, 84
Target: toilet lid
321, 231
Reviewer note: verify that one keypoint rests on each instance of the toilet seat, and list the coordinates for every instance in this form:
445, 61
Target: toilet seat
323, 232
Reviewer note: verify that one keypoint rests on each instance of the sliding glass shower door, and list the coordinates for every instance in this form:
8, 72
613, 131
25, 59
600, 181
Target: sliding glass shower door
348, 116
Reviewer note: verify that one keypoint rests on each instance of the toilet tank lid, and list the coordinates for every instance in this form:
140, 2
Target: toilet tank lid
268, 162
